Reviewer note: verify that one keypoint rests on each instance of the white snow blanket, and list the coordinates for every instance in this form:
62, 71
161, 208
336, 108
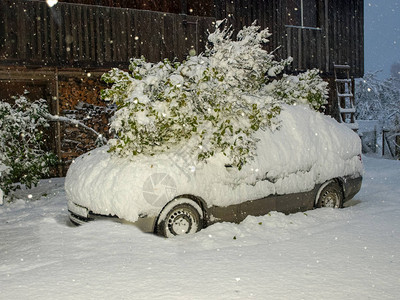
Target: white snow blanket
329, 254
308, 148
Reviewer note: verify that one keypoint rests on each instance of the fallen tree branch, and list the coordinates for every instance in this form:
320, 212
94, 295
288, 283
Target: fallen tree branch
56, 118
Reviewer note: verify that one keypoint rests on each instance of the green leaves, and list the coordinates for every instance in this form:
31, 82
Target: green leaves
306, 88
215, 100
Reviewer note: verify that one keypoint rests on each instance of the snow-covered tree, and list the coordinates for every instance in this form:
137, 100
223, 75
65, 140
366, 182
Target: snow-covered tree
377, 99
22, 158
395, 72
214, 101
380, 100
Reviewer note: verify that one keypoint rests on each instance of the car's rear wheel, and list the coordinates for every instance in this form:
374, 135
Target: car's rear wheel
331, 195
180, 216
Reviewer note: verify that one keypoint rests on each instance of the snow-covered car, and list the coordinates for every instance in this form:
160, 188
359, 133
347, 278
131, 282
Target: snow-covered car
309, 161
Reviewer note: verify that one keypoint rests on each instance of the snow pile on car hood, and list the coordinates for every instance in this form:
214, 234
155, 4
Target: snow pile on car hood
307, 149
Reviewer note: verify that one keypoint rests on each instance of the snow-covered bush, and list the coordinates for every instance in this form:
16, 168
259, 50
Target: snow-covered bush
213, 102
22, 158
307, 88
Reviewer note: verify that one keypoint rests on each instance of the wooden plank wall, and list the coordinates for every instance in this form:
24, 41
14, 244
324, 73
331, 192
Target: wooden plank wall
338, 38
307, 47
85, 36
346, 38
267, 14
93, 36
285, 41
189, 7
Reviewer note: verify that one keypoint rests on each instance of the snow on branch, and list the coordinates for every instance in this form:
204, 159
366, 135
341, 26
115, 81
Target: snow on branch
55, 118
214, 101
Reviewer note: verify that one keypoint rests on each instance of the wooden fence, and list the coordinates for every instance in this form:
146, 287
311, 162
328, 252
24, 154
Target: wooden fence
71, 35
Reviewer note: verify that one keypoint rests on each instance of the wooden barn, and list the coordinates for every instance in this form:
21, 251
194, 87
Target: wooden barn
59, 52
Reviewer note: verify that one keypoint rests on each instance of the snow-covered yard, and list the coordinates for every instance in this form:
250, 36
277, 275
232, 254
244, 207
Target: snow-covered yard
352, 253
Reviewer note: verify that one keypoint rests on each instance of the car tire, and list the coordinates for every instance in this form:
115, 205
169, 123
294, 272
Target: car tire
330, 195
178, 217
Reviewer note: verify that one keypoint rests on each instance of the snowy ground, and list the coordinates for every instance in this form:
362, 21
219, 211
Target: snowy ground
352, 253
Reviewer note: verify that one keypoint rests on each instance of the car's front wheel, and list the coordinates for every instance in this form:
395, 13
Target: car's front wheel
180, 216
330, 195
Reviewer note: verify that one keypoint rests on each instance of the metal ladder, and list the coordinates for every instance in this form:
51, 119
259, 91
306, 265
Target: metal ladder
345, 96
